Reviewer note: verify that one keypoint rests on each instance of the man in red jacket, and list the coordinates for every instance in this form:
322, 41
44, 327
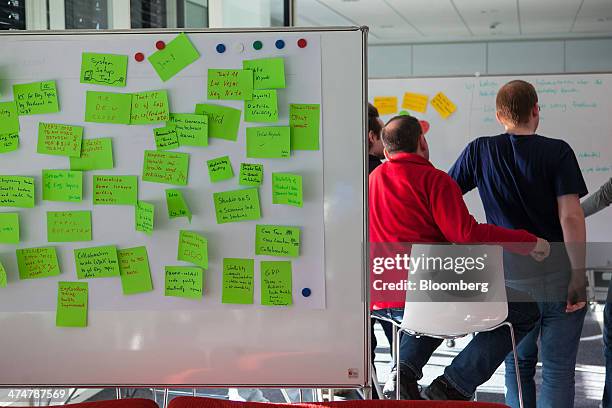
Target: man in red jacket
410, 201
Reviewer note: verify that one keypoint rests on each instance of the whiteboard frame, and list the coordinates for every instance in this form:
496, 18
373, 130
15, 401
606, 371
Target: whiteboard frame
366, 378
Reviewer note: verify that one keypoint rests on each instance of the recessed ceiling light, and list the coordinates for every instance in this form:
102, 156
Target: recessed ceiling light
494, 25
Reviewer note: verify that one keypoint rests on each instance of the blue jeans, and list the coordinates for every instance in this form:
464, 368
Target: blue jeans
477, 362
607, 338
395, 314
559, 334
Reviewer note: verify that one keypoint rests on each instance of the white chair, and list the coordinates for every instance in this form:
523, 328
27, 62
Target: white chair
455, 319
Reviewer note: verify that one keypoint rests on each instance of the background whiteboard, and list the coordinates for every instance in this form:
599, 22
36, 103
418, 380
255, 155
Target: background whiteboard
150, 339
575, 108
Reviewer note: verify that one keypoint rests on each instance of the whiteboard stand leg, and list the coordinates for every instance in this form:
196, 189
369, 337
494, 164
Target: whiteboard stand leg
301, 395
193, 392
285, 395
331, 395
118, 392
367, 393
154, 394
165, 403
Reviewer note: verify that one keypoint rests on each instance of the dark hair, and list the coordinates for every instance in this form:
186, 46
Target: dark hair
515, 100
373, 123
401, 134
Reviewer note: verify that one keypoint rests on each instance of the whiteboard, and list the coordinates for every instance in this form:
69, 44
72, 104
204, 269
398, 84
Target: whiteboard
153, 339
575, 108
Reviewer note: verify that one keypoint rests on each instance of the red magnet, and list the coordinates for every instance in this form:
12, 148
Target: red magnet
139, 56
160, 45
302, 43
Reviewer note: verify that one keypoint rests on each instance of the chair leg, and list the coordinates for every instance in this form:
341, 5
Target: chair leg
397, 365
516, 366
375, 382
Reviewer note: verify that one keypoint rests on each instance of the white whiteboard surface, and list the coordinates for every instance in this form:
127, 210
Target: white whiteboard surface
575, 108
151, 339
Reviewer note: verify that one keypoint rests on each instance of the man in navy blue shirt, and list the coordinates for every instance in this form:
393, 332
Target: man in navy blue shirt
527, 181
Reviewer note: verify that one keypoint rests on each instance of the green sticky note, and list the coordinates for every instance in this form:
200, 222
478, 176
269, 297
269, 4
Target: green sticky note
165, 138
62, 185
9, 119
9, 228
115, 190
16, 191
96, 154
277, 240
149, 107
177, 206
268, 142
223, 121
262, 108
108, 107
68, 226
287, 189
145, 217
177, 54
193, 247
232, 84
276, 285
238, 281
9, 142
268, 73
251, 174
134, 269
191, 129
237, 205
220, 169
184, 281
59, 140
36, 98
34, 263
304, 123
166, 167
72, 304
3, 277
97, 262
103, 69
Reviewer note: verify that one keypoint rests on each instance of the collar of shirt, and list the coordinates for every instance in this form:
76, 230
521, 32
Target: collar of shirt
410, 158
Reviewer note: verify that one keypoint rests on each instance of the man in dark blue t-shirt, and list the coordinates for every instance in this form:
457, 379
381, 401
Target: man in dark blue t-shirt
532, 182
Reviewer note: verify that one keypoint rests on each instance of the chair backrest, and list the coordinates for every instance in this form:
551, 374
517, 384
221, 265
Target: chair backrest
448, 313
199, 402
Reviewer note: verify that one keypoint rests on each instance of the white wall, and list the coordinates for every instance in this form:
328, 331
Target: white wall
493, 58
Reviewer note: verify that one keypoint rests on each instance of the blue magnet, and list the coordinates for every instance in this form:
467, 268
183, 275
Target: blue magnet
306, 292
220, 48
280, 44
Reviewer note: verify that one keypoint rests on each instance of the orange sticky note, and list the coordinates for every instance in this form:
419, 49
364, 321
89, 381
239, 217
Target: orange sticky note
415, 102
443, 105
386, 105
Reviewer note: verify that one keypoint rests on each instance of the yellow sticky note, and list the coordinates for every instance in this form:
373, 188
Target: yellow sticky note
443, 105
386, 105
415, 102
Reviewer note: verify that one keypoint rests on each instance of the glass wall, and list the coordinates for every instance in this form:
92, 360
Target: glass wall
12, 15
88, 14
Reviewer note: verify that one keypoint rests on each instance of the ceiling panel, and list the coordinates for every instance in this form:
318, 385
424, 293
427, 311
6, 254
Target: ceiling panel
595, 16
376, 14
314, 13
548, 16
432, 18
490, 17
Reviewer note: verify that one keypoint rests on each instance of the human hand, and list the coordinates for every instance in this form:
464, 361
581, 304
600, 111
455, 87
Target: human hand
541, 250
576, 292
